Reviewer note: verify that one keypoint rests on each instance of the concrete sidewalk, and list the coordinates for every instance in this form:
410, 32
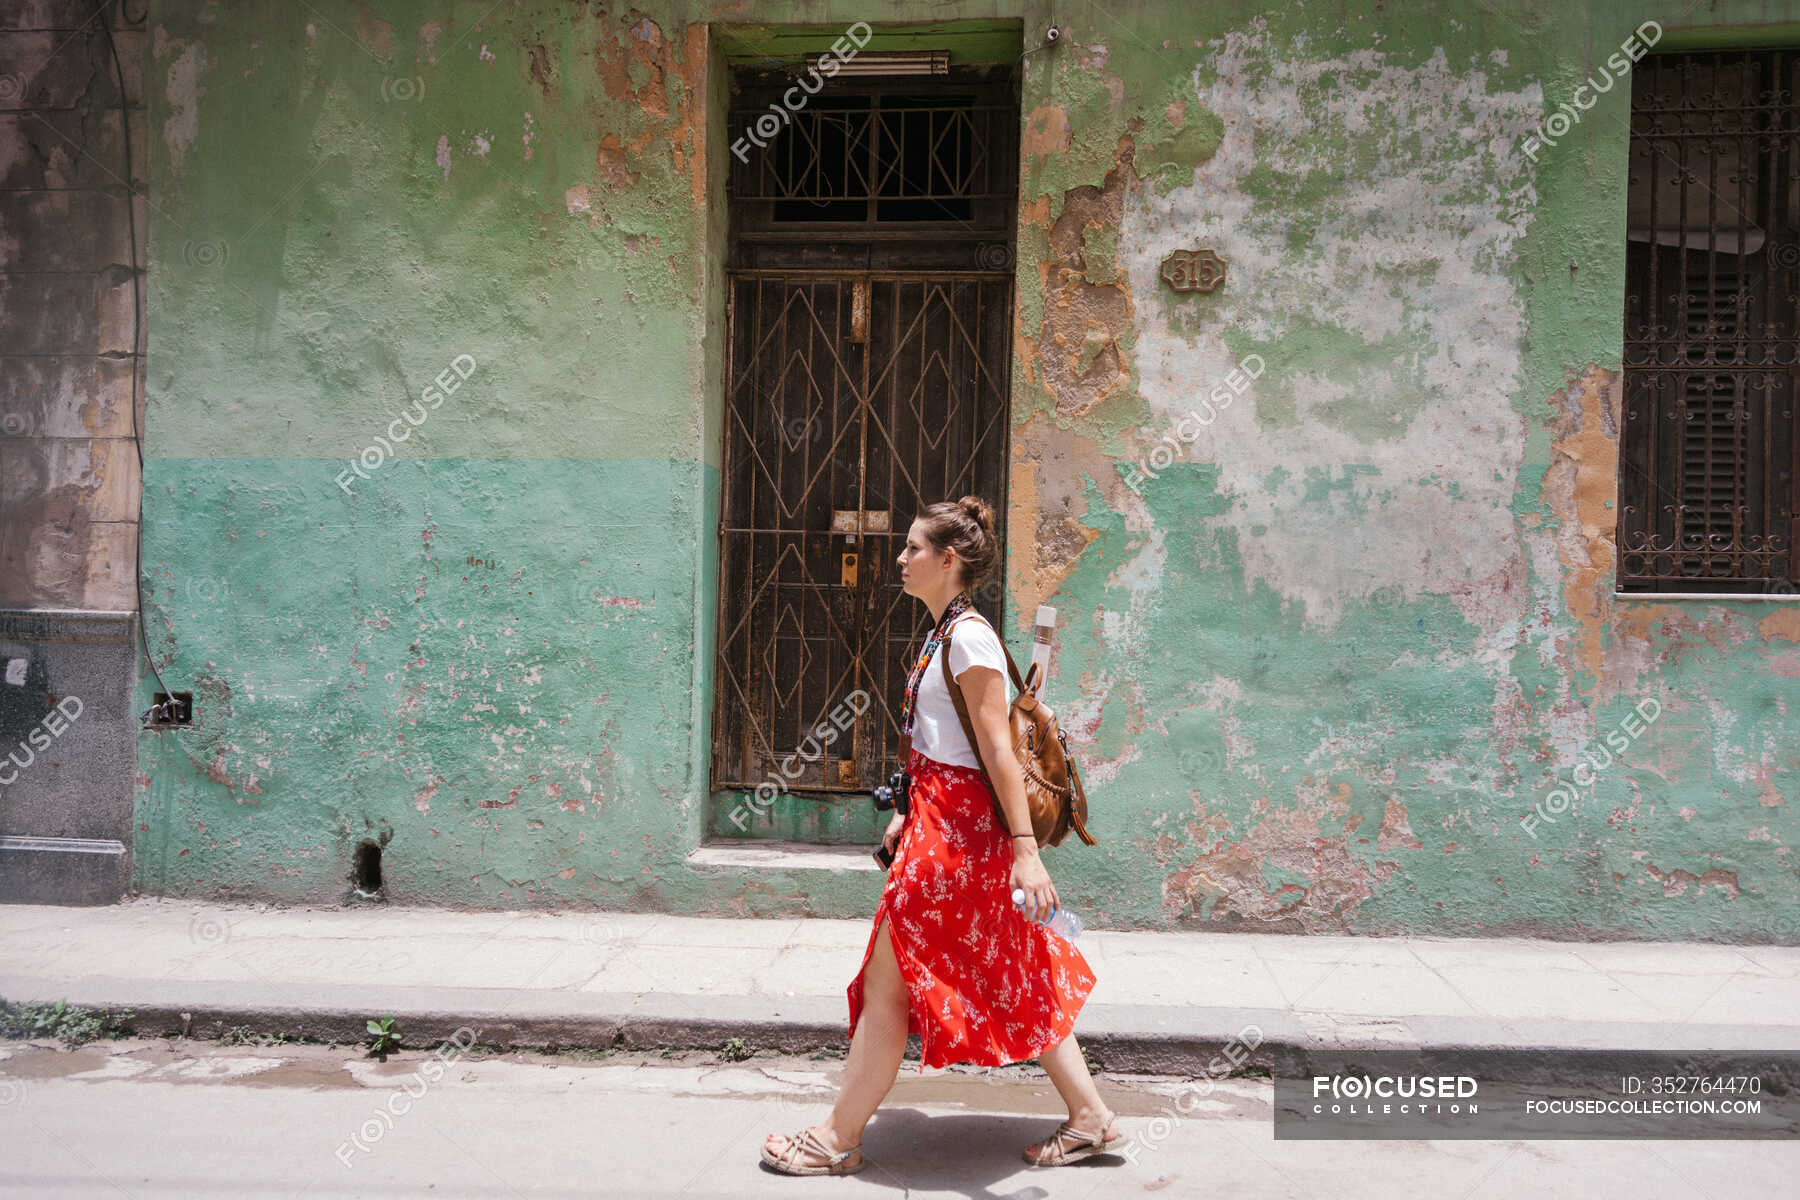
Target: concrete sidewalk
1165, 1002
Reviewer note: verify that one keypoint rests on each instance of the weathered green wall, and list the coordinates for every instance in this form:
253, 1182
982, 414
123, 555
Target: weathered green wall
1321, 663
485, 652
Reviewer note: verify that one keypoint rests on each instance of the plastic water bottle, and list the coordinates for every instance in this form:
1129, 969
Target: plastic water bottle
1062, 922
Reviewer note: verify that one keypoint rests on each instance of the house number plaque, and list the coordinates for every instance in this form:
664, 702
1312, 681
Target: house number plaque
1193, 270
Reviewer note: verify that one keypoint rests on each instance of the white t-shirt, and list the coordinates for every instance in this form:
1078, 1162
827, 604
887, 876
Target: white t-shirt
937, 732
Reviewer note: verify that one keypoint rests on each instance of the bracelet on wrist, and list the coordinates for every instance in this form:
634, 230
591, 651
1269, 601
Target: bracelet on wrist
1020, 835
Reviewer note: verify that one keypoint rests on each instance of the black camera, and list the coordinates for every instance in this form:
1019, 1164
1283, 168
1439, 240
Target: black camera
895, 794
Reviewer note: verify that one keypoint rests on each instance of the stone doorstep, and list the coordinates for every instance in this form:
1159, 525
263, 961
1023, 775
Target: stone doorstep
772, 855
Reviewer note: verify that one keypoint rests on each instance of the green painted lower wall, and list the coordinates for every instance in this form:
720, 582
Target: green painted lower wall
1350, 661
486, 667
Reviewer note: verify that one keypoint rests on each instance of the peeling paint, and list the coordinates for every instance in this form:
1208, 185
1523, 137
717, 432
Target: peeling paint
1317, 669
182, 91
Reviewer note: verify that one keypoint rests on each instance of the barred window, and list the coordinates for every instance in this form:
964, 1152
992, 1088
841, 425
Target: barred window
881, 155
1709, 458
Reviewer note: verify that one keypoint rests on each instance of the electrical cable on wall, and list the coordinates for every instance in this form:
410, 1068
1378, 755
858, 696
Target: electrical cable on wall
155, 711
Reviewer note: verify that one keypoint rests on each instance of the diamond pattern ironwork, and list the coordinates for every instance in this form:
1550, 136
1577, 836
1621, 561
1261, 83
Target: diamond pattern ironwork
916, 414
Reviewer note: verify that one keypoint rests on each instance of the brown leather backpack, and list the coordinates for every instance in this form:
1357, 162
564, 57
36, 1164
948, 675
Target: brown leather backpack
1052, 786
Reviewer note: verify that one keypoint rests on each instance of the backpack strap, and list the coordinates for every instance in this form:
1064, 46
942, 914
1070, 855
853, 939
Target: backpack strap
956, 692
955, 689
1079, 798
1011, 667
962, 709
1076, 800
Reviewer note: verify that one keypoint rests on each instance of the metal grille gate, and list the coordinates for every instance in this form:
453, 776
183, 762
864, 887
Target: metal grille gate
853, 401
869, 304
869, 299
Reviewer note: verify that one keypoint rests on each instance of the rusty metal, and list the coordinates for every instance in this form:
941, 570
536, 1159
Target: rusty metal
869, 314
853, 521
877, 157
892, 174
859, 311
810, 603
1709, 465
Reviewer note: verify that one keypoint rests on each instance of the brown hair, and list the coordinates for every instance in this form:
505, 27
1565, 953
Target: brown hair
967, 527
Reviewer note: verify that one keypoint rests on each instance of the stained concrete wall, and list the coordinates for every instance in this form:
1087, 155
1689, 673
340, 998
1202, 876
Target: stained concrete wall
1320, 661
69, 485
68, 467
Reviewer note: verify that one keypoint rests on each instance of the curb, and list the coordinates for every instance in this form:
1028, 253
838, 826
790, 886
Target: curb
1118, 1038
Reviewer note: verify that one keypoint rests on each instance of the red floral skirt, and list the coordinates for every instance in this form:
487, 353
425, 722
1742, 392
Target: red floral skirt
985, 984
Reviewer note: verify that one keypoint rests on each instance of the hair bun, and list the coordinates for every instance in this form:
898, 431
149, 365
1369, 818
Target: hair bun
978, 510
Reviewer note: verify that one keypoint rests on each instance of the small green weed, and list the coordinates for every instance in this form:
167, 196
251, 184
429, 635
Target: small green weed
383, 1038
73, 1025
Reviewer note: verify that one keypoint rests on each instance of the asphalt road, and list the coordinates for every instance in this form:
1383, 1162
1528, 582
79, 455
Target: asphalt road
137, 1119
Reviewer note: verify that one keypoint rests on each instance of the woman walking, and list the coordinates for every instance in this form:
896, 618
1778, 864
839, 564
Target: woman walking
950, 957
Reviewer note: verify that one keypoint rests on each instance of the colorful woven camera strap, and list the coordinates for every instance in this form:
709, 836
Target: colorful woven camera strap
959, 604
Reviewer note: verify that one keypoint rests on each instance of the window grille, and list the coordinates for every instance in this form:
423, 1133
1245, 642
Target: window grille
1708, 452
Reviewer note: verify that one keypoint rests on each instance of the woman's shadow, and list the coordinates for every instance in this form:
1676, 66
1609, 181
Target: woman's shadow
966, 1153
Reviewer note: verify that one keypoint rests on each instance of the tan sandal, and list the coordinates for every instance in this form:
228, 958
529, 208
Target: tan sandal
1069, 1144
788, 1161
